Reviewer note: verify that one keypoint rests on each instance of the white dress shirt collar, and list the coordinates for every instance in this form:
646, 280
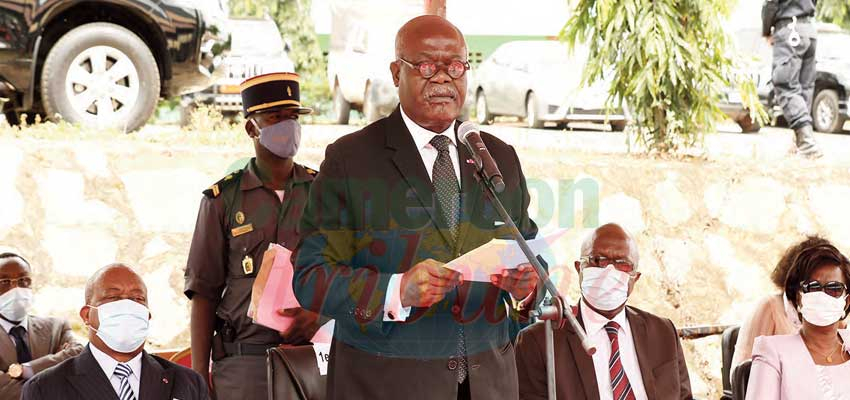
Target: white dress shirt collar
108, 365
593, 322
421, 136
7, 326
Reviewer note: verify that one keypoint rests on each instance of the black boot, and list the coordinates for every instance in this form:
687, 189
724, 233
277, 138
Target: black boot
806, 144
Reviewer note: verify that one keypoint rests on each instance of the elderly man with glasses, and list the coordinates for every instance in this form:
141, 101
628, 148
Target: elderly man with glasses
638, 355
392, 204
28, 344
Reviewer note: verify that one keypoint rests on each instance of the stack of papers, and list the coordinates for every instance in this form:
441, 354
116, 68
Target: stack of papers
498, 255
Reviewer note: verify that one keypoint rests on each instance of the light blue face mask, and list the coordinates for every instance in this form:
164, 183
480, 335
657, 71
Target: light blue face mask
282, 138
124, 325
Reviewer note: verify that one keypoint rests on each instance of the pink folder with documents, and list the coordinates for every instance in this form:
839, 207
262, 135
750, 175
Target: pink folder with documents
275, 284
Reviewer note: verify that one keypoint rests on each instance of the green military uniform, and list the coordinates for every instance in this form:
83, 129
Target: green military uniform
238, 218
237, 221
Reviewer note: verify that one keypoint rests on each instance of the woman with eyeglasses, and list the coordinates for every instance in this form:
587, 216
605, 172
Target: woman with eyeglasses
814, 363
775, 315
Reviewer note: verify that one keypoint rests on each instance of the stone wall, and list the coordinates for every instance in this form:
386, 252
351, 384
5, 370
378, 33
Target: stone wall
709, 228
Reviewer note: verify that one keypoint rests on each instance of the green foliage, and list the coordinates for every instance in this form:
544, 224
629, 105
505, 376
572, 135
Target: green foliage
668, 60
834, 11
296, 27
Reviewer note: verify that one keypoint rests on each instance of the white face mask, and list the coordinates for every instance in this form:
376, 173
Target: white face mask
15, 304
605, 288
821, 309
124, 325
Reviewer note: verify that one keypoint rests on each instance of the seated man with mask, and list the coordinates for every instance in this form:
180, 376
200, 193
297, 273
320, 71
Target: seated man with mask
28, 344
118, 319
638, 355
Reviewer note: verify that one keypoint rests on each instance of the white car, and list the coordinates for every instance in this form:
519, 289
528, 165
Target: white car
541, 82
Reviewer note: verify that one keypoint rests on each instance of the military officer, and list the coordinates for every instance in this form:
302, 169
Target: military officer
239, 217
789, 27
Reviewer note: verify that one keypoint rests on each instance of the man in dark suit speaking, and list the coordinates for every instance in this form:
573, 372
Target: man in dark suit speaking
114, 365
393, 203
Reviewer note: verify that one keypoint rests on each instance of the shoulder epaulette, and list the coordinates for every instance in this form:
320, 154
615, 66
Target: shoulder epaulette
311, 171
215, 190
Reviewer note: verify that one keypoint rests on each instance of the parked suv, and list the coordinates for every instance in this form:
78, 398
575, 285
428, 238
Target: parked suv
105, 63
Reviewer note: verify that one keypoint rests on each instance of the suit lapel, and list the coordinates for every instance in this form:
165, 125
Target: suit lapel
584, 362
89, 380
156, 382
642, 348
7, 350
39, 337
408, 161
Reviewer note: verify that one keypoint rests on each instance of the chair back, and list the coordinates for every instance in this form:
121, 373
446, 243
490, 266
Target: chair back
727, 348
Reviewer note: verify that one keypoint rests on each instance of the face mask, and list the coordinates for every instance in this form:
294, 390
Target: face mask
605, 288
15, 303
124, 325
282, 138
821, 309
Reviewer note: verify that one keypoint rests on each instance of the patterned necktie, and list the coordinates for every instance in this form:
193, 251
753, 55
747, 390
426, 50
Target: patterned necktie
445, 184
123, 372
619, 381
448, 201
21, 348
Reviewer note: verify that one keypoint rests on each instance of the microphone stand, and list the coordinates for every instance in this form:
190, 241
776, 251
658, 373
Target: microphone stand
552, 310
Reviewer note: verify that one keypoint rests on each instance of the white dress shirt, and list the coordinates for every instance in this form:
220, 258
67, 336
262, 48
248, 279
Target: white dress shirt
7, 327
594, 325
393, 311
108, 365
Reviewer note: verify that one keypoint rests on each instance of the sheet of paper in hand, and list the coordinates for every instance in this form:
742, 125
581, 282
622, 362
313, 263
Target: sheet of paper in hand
272, 290
498, 255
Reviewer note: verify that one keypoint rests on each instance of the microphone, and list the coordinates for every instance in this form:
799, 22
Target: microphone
469, 135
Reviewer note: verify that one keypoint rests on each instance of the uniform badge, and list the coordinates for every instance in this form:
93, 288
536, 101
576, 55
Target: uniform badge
247, 265
289, 91
240, 218
241, 230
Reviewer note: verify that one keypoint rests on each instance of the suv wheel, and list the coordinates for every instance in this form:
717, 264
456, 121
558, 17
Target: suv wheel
826, 116
101, 75
341, 107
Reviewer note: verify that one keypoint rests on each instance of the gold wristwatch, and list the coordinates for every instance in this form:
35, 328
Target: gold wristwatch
16, 371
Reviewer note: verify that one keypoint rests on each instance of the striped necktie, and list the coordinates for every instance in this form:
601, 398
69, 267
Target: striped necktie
123, 372
619, 381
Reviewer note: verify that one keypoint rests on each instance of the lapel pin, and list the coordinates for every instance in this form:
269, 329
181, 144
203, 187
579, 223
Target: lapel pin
470, 161
165, 380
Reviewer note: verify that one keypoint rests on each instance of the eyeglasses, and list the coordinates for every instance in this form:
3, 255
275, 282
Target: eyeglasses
602, 262
834, 288
428, 69
19, 282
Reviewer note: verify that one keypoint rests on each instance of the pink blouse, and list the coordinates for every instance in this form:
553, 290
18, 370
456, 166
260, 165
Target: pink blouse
784, 369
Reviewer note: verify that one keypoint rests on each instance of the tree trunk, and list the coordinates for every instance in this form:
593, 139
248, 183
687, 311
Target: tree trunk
435, 7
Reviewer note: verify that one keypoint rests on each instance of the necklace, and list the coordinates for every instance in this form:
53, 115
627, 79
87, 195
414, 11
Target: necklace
829, 356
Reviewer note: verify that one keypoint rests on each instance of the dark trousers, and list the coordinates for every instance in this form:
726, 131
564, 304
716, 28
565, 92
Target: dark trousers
794, 77
240, 378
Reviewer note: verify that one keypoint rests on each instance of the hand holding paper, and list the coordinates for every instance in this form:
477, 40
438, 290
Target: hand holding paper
499, 255
273, 302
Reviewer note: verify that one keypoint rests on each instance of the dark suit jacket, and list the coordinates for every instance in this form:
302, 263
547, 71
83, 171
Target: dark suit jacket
82, 378
372, 214
50, 342
659, 353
